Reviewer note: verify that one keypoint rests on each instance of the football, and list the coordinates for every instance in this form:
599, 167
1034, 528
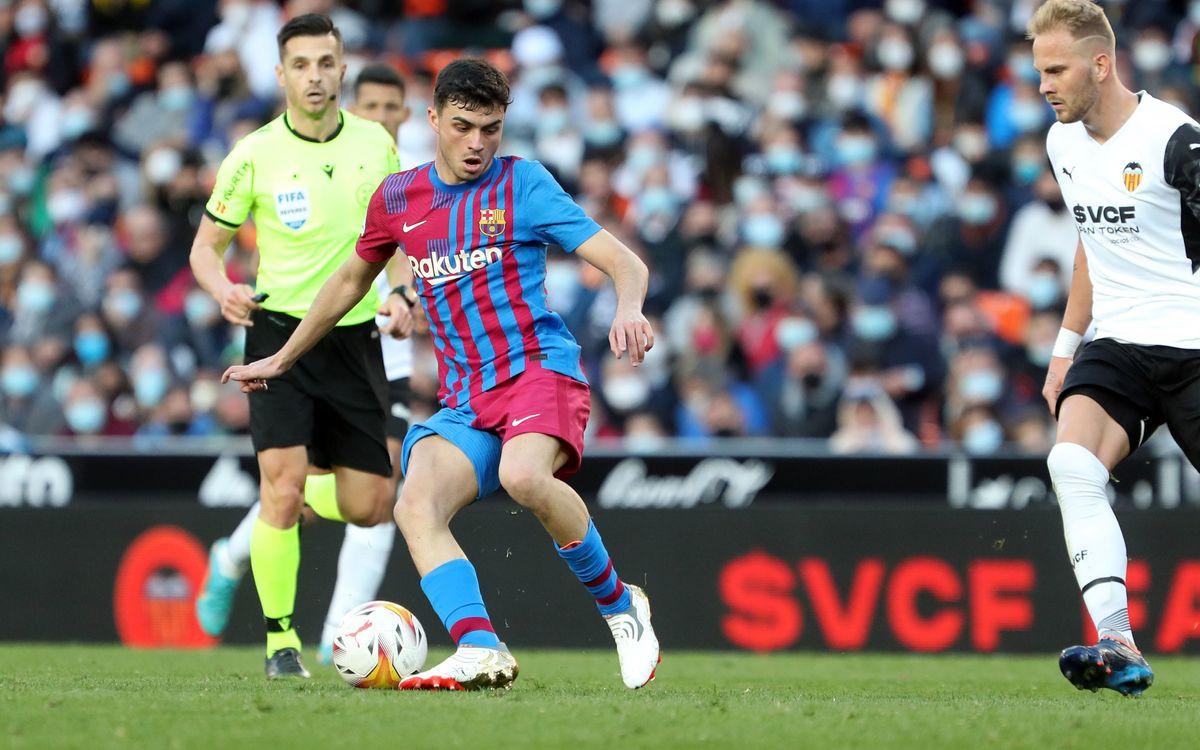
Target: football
378, 644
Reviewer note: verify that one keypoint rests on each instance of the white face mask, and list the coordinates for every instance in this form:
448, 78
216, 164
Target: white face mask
787, 105
626, 392
945, 60
1151, 55
162, 165
843, 90
895, 54
66, 206
687, 116
904, 11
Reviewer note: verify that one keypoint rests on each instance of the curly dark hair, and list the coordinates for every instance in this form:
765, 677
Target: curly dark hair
309, 24
473, 84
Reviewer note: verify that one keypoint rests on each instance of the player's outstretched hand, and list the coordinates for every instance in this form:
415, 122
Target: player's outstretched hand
236, 304
1055, 374
254, 376
400, 317
631, 333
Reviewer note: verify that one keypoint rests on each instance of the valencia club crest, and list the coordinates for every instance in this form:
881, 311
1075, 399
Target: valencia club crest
1133, 176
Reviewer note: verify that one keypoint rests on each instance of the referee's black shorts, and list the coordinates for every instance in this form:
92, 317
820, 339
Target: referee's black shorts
333, 400
1142, 387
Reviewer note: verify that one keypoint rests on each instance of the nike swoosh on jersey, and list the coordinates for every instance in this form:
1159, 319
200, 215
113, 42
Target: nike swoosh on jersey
1194, 146
409, 227
443, 279
517, 422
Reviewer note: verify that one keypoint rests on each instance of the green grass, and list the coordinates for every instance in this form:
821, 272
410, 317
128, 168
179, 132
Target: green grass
68, 696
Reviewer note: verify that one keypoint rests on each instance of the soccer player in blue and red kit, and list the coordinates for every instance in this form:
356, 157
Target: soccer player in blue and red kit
474, 228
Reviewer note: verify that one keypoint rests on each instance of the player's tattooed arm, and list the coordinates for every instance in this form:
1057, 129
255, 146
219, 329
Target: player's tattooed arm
630, 331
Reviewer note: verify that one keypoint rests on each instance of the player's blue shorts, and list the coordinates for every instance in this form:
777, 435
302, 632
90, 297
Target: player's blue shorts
481, 447
537, 400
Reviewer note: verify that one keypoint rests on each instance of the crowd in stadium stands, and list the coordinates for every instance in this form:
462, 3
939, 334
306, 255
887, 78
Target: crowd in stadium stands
846, 207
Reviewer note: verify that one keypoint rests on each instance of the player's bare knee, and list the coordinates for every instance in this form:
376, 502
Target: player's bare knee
281, 502
414, 511
523, 483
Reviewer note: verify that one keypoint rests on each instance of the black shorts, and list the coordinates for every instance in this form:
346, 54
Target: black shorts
1142, 387
399, 402
333, 400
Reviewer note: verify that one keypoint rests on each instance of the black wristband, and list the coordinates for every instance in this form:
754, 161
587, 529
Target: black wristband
403, 291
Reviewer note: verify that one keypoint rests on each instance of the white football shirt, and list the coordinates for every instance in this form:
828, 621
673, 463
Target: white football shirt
1135, 199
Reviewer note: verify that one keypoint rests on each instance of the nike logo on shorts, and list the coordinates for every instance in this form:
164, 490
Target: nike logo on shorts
517, 422
409, 227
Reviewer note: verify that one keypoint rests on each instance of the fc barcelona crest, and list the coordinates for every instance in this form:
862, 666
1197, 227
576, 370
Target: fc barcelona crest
491, 221
1133, 176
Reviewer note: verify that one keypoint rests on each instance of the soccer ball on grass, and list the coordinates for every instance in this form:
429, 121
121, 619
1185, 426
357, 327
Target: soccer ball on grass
378, 644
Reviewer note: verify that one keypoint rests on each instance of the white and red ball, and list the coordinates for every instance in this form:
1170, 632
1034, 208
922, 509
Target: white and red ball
378, 644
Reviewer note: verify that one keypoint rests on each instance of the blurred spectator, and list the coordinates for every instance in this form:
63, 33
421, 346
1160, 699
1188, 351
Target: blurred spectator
868, 422
28, 404
801, 388
1041, 229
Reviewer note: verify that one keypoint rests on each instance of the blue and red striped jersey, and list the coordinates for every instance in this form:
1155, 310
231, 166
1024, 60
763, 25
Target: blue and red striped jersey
478, 252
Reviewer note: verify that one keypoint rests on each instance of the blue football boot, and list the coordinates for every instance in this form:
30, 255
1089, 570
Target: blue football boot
215, 601
1111, 664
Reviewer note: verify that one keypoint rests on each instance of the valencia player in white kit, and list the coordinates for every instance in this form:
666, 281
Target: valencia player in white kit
1129, 168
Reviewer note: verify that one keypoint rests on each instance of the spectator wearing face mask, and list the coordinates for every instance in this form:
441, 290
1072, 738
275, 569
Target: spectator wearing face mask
174, 416
40, 309
27, 404
909, 367
163, 114
898, 95
869, 422
979, 431
973, 238
801, 388
87, 412
861, 179
765, 283
1042, 228
126, 312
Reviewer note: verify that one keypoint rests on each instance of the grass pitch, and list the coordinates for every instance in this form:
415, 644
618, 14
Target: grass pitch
69, 696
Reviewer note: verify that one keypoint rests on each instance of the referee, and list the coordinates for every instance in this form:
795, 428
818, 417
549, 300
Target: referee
305, 177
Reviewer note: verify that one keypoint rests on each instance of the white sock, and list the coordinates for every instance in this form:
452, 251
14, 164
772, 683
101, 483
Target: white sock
236, 560
361, 565
1095, 545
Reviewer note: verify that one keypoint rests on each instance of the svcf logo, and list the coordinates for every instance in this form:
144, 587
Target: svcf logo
1133, 176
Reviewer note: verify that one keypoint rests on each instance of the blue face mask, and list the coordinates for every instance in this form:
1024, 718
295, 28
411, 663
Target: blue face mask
784, 159
176, 98
552, 121
643, 157
1043, 290
118, 85
763, 230
628, 76
1025, 171
149, 387
1040, 355
35, 296
602, 134
10, 249
981, 386
200, 309
86, 417
21, 180
874, 323
125, 303
983, 438
19, 381
795, 332
91, 347
854, 150
977, 209
1027, 115
656, 200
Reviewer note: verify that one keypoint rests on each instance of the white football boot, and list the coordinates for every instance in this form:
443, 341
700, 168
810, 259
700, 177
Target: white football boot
468, 668
637, 646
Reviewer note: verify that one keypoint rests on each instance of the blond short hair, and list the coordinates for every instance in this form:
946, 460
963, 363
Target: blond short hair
1082, 19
